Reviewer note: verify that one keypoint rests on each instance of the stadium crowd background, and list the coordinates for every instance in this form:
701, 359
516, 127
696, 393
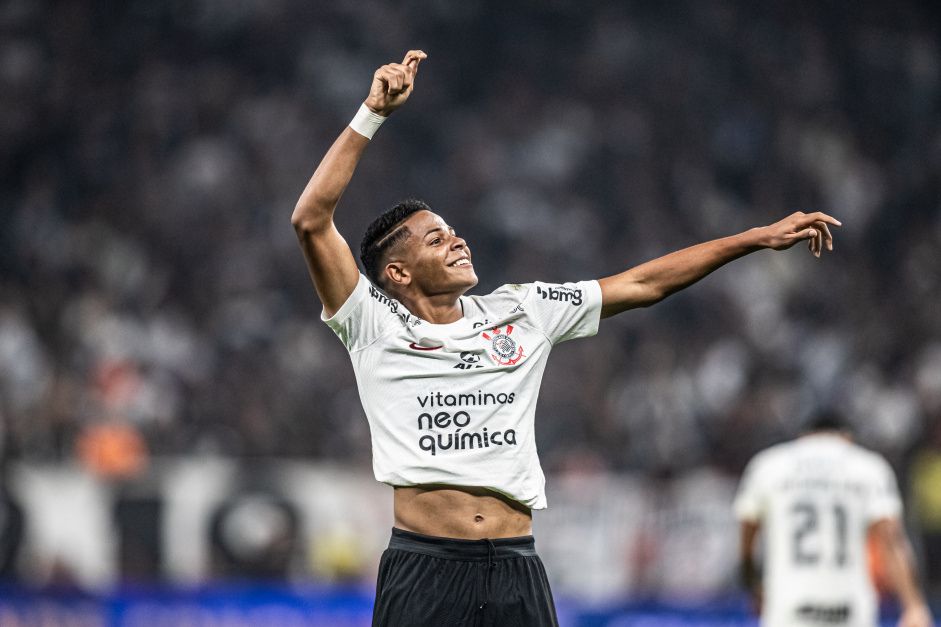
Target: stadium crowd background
153, 298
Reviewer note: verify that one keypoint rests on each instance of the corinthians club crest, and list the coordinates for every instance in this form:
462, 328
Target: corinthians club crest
505, 349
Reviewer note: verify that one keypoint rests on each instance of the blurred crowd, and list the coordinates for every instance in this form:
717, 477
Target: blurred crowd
153, 299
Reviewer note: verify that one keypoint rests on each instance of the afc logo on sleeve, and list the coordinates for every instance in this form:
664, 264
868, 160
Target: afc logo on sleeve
562, 294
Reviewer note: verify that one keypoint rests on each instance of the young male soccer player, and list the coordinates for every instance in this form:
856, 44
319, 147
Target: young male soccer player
817, 499
449, 382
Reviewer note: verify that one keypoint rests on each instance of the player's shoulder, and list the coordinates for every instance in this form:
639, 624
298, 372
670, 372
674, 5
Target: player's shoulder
522, 297
508, 290
868, 458
771, 460
506, 300
385, 304
509, 293
571, 292
513, 290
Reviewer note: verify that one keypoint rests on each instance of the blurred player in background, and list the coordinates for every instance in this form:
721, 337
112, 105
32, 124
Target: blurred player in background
816, 501
449, 382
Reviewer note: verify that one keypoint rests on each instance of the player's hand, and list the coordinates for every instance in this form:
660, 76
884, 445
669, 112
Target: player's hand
392, 84
917, 616
799, 227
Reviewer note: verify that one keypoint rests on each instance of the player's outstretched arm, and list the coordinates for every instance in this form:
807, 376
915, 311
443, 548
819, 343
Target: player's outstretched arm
901, 567
653, 281
328, 256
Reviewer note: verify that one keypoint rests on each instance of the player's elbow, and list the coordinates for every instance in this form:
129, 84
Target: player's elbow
658, 295
306, 220
299, 220
314, 211
624, 292
647, 294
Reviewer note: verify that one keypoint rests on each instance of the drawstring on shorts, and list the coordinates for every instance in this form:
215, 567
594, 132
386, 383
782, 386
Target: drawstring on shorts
491, 564
486, 550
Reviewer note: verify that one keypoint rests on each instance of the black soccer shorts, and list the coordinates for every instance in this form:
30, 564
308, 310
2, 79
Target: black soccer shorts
427, 581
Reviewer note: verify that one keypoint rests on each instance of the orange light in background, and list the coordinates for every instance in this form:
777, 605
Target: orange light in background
112, 450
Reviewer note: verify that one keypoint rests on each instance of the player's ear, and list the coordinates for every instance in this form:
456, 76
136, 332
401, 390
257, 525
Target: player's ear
398, 274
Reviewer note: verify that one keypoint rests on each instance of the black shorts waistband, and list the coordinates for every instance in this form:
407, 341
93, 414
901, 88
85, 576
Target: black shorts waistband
463, 550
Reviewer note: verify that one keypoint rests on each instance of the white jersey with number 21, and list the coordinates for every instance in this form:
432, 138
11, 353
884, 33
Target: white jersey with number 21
815, 498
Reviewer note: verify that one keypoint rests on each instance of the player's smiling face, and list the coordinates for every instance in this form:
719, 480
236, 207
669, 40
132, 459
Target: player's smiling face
437, 260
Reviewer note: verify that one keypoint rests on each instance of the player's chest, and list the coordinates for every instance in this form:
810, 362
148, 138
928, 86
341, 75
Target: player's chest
474, 346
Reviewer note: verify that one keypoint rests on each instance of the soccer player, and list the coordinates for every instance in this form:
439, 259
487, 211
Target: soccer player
449, 382
816, 501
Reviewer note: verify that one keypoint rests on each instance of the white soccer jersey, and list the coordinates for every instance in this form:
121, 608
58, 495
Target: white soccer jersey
815, 498
455, 403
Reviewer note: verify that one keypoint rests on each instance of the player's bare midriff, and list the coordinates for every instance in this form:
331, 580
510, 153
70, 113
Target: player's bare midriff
463, 512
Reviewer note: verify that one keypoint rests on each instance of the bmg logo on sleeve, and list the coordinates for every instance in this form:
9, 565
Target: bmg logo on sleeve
564, 294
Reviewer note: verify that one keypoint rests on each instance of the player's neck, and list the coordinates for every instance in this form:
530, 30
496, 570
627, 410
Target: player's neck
840, 435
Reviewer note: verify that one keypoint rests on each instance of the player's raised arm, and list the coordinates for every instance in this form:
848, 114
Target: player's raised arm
328, 256
653, 281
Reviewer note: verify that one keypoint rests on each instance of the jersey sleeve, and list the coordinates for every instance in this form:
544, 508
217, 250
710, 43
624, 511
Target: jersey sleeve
749, 504
885, 500
364, 316
565, 311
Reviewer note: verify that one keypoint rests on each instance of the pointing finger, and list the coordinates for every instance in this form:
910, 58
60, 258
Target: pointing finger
413, 57
819, 216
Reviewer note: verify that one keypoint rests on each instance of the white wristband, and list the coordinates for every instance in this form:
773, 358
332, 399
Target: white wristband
366, 123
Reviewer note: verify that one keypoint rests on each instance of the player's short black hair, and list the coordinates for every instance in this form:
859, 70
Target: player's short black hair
377, 241
828, 420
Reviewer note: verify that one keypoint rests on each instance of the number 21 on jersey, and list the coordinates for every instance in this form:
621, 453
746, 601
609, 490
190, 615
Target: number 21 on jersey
819, 533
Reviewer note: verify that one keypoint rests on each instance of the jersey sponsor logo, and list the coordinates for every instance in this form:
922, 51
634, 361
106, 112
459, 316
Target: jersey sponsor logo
437, 399
393, 306
506, 351
831, 615
465, 435
416, 347
469, 360
459, 441
562, 294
